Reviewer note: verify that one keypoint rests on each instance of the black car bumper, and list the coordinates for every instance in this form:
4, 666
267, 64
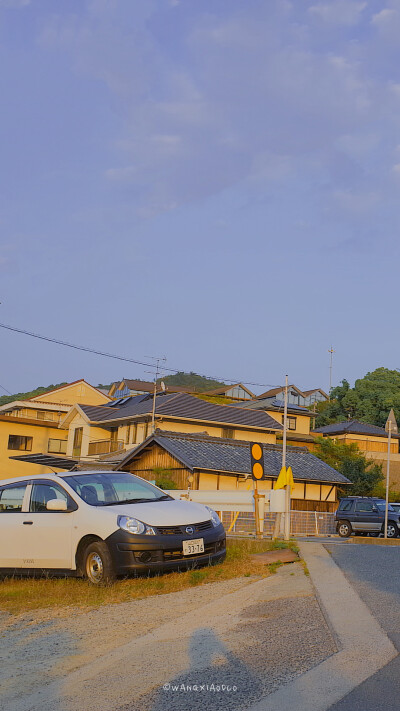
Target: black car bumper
145, 554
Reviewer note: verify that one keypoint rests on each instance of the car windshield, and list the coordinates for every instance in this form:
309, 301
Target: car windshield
110, 488
381, 505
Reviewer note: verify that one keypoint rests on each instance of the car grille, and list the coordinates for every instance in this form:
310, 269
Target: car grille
181, 530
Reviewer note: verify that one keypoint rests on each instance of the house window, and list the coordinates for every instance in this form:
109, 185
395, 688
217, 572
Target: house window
43, 415
77, 446
228, 432
20, 443
57, 446
291, 423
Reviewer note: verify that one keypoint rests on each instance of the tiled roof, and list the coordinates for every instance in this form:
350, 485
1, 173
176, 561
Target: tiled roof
277, 405
202, 452
180, 405
353, 427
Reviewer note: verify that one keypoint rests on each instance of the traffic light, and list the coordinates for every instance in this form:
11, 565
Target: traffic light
257, 461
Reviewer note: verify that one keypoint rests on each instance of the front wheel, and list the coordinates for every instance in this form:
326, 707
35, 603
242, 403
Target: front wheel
344, 529
392, 530
97, 564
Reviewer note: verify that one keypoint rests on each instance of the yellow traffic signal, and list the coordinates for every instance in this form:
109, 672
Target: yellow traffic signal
257, 461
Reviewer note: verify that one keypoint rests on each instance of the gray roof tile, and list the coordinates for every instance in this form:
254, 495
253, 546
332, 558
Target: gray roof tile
184, 406
353, 427
226, 455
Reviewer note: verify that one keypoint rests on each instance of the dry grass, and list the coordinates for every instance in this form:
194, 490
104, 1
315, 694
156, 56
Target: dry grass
19, 595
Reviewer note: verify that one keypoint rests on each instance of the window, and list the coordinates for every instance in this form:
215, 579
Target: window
44, 415
346, 505
11, 499
127, 434
134, 433
365, 506
291, 423
20, 443
77, 446
57, 446
108, 488
228, 432
42, 492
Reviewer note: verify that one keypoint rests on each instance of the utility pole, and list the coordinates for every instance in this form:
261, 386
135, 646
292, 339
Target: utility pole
331, 351
278, 519
153, 413
287, 487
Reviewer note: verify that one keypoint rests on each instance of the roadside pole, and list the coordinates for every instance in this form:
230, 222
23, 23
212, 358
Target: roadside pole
257, 473
287, 487
387, 479
391, 424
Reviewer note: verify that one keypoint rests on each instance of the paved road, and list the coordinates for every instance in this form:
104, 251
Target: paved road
374, 572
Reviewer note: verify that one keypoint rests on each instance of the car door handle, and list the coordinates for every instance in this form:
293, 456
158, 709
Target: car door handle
27, 523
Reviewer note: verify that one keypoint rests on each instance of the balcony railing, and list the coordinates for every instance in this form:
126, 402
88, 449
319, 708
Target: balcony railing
105, 446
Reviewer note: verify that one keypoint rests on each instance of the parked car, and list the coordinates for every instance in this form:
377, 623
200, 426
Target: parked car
395, 507
102, 524
361, 514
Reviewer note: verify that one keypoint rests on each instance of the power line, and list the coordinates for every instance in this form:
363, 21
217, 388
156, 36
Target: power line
5, 389
122, 358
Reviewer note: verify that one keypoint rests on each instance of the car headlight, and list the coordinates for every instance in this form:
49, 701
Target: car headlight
133, 525
216, 521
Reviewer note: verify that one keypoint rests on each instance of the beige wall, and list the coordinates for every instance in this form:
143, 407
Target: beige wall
40, 438
302, 422
81, 393
215, 430
370, 443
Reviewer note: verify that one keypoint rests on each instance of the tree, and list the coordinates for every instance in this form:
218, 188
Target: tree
369, 401
347, 459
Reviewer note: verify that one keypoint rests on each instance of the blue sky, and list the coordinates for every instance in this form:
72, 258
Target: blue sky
217, 182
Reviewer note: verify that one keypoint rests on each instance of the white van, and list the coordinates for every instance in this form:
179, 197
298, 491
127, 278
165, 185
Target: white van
101, 524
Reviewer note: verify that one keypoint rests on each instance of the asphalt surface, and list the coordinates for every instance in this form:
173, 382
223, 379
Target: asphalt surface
374, 572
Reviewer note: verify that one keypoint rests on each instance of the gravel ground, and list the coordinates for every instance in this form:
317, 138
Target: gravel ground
251, 635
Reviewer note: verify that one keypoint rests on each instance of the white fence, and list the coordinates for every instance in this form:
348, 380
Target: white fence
237, 511
302, 523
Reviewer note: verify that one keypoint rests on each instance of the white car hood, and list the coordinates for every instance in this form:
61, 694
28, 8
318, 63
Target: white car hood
164, 513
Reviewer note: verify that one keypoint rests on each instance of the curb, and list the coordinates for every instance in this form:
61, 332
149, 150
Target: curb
364, 647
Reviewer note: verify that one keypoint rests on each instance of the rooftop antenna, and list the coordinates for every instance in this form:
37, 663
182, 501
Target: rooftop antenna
331, 351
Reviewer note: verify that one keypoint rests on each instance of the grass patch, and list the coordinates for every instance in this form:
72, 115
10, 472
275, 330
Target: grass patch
19, 595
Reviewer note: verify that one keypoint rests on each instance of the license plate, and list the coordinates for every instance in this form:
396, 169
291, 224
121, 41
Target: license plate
196, 545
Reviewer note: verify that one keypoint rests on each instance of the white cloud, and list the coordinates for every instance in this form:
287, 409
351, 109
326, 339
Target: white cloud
338, 12
241, 96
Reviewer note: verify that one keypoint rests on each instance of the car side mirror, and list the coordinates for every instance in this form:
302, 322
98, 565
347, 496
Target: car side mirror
56, 505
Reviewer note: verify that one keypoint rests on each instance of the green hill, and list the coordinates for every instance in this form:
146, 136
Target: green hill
4, 399
199, 382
